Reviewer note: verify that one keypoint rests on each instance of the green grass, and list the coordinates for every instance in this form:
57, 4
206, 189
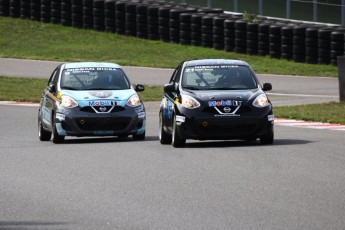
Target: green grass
44, 41
332, 112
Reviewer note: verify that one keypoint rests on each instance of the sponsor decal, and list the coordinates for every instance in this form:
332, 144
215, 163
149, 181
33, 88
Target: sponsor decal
180, 118
60, 117
227, 115
101, 94
224, 103
270, 117
141, 115
101, 103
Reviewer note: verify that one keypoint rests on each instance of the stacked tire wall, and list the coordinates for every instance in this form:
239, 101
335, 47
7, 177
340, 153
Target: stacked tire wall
180, 23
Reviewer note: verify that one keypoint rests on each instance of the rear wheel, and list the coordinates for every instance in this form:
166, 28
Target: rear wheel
177, 141
164, 137
267, 139
56, 137
43, 135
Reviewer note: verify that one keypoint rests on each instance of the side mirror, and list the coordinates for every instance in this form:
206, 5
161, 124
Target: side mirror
168, 88
51, 88
267, 87
139, 88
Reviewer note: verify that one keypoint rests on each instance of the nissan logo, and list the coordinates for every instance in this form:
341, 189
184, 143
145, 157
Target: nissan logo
227, 109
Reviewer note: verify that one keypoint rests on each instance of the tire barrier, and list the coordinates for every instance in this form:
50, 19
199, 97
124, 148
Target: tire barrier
324, 46
35, 10
275, 40
218, 31
252, 38
337, 45
15, 8
241, 36
196, 24
264, 39
120, 17
77, 13
87, 14
311, 54
142, 20
298, 41
25, 9
298, 47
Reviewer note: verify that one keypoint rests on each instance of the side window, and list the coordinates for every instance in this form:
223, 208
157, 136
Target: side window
54, 77
175, 78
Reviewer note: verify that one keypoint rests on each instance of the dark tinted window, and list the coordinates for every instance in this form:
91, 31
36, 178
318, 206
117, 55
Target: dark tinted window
218, 77
94, 79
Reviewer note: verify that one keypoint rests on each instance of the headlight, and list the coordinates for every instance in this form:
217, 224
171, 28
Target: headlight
68, 102
261, 101
134, 101
189, 102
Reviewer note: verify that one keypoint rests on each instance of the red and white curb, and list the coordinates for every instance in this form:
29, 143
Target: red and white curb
19, 103
308, 124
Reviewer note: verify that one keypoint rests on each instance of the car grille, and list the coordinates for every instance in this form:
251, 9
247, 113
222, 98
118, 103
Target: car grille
102, 109
103, 123
241, 110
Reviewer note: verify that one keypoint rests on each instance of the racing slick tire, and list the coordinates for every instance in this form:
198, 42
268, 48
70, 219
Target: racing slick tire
138, 137
267, 139
177, 141
164, 137
43, 135
57, 139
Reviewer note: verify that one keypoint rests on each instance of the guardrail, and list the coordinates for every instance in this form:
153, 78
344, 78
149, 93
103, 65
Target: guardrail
186, 24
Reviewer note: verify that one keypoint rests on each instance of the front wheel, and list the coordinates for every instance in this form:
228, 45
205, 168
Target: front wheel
56, 137
164, 137
177, 141
43, 135
267, 139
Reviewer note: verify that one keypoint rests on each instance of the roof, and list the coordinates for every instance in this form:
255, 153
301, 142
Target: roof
215, 62
91, 65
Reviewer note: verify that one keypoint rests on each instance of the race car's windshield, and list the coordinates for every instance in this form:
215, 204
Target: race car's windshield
218, 77
94, 79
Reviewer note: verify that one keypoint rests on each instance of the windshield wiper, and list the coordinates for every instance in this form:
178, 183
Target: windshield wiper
191, 88
69, 88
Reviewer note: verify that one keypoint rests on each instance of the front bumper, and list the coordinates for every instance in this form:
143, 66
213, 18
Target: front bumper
74, 122
205, 127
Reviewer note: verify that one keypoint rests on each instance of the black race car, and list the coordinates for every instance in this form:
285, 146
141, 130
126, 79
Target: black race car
215, 99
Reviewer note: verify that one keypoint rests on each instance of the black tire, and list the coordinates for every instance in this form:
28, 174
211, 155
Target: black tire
177, 141
267, 139
164, 137
138, 137
43, 135
56, 138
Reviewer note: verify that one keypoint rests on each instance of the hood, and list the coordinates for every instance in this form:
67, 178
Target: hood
242, 95
99, 95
